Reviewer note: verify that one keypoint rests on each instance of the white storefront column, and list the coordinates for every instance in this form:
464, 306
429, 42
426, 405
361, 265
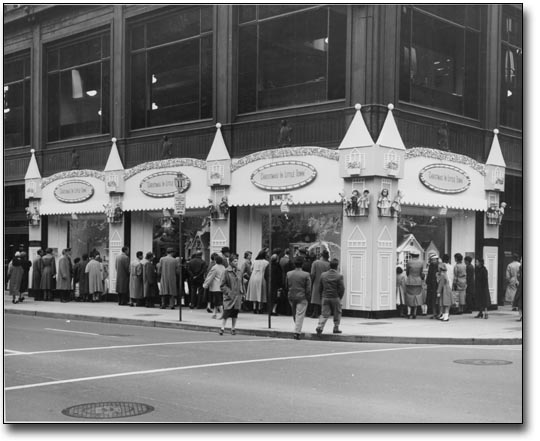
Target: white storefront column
32, 190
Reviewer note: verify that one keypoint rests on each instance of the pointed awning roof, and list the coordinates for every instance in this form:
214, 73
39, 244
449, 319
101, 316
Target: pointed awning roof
389, 136
33, 170
218, 151
114, 163
495, 154
357, 134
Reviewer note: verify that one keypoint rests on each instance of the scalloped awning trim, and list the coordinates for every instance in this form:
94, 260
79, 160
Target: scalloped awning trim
426, 152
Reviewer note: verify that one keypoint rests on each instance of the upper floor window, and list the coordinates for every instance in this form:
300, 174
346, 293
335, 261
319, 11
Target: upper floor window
171, 68
440, 57
17, 101
78, 88
290, 55
511, 68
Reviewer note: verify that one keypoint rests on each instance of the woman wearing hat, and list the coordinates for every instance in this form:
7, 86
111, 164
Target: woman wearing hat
444, 293
415, 277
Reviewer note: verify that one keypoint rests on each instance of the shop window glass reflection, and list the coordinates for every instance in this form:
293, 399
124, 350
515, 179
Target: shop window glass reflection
295, 58
87, 234
78, 89
440, 60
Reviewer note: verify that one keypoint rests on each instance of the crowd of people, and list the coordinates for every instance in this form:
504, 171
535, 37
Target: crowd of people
457, 288
276, 283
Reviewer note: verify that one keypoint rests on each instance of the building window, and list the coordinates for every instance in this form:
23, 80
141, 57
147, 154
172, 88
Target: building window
172, 68
78, 88
17, 101
512, 68
440, 57
290, 55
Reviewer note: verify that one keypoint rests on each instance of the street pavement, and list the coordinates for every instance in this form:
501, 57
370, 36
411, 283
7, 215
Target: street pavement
501, 328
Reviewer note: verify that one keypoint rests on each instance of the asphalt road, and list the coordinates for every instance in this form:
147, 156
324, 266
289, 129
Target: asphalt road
125, 373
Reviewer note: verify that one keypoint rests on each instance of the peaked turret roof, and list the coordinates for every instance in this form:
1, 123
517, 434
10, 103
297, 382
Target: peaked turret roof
33, 170
495, 154
389, 136
114, 162
357, 134
218, 151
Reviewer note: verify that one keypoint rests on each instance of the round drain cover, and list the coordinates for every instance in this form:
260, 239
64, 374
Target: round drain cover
107, 410
483, 362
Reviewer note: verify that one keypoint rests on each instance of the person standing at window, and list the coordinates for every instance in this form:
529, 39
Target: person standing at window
460, 281
63, 277
414, 282
122, 276
482, 298
36, 276
168, 267
136, 280
444, 292
48, 273
257, 286
94, 269
469, 291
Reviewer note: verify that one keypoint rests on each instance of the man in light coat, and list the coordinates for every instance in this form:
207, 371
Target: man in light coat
122, 276
63, 275
168, 269
299, 292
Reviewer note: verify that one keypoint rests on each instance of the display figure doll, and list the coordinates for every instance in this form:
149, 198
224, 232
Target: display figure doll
383, 203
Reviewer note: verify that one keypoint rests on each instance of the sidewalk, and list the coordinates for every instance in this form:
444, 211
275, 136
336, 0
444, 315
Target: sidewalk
500, 329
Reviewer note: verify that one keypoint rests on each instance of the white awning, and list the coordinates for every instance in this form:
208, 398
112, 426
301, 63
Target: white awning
51, 205
196, 195
417, 194
324, 189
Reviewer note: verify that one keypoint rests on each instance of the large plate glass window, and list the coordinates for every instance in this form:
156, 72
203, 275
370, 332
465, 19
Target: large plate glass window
290, 55
171, 68
440, 57
78, 87
16, 100
512, 67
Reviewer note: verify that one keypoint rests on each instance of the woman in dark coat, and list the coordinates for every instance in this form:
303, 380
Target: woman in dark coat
84, 289
276, 280
150, 286
482, 299
36, 276
48, 272
15, 275
432, 285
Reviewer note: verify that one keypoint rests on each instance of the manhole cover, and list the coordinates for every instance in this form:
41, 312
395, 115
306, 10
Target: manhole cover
483, 362
375, 323
145, 315
107, 410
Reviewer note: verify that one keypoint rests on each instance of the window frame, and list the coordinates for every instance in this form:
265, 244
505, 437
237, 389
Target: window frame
143, 21
57, 46
26, 81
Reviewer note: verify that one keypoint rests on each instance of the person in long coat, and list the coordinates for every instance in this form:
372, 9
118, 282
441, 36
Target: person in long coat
212, 283
84, 289
319, 266
231, 287
444, 292
26, 265
122, 276
136, 280
256, 290
460, 281
469, 291
14, 276
63, 275
36, 291
482, 299
245, 273
511, 279
415, 277
150, 286
275, 280
168, 267
401, 289
94, 269
519, 294
48, 273
432, 285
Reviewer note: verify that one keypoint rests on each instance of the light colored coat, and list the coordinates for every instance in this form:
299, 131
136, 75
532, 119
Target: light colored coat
256, 290
136, 279
318, 267
231, 287
48, 270
213, 278
63, 276
94, 269
168, 267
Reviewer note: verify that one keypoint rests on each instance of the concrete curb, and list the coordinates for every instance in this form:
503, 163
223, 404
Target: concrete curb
274, 333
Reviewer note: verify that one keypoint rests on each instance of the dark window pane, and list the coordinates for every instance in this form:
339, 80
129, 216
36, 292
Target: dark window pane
455, 13
106, 46
52, 60
105, 113
80, 101
512, 87
471, 90
207, 18
80, 53
271, 10
336, 53
138, 91
247, 69
406, 72
247, 13
53, 106
293, 59
473, 16
206, 77
137, 37
174, 95
174, 27
13, 70
14, 115
512, 31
